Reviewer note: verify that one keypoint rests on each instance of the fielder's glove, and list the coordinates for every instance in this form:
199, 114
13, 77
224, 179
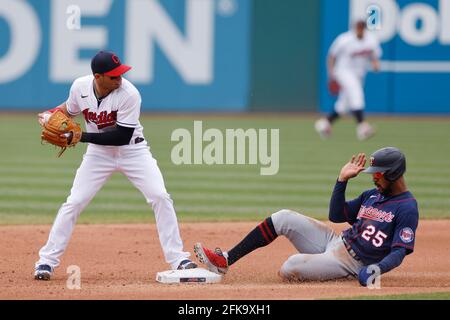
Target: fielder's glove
60, 130
333, 87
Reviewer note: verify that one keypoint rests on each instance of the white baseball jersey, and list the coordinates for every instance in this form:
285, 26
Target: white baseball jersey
122, 106
353, 54
135, 161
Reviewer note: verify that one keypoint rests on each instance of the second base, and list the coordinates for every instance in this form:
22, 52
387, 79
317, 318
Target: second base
197, 275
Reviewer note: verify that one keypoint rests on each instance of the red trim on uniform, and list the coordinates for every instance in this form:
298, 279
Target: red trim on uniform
263, 232
402, 245
53, 110
118, 71
268, 230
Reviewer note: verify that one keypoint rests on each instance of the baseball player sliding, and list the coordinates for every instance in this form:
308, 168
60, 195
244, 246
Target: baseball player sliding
348, 60
383, 225
111, 107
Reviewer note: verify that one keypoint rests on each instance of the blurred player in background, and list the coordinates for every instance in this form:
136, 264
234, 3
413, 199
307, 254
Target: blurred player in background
348, 62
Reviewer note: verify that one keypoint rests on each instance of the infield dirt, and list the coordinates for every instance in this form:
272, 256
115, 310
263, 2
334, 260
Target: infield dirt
121, 262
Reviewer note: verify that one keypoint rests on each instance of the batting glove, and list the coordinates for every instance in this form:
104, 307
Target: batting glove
363, 276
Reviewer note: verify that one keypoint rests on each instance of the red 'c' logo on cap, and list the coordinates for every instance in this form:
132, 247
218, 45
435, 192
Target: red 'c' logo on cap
115, 59
372, 159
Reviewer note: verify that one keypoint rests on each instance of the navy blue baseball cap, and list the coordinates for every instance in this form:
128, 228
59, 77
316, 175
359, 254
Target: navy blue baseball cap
108, 63
390, 160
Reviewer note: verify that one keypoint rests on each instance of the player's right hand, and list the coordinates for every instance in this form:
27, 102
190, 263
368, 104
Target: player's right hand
352, 168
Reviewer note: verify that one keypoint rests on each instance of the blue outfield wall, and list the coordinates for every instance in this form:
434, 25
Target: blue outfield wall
187, 55
415, 37
222, 55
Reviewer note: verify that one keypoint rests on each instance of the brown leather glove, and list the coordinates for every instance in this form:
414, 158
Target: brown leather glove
333, 87
60, 130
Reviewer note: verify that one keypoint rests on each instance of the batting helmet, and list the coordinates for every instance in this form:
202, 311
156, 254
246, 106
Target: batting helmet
391, 161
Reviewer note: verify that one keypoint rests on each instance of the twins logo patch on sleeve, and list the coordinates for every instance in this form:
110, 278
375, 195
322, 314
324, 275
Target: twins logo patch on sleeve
407, 235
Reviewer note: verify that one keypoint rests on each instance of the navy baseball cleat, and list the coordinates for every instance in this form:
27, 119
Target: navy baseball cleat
43, 272
187, 264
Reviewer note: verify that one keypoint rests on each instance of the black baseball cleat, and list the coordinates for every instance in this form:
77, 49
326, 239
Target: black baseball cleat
187, 264
43, 272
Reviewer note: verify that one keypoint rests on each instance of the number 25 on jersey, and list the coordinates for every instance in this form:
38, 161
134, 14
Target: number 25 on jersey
377, 238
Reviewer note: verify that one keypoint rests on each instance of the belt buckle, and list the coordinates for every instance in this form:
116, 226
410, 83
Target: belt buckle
353, 253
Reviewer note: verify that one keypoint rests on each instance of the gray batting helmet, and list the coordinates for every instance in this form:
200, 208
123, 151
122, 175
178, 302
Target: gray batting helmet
391, 161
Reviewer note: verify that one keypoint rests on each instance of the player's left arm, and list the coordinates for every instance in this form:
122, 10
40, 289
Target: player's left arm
391, 261
402, 242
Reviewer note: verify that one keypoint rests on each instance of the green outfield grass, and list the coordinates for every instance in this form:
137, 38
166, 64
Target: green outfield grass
34, 183
416, 296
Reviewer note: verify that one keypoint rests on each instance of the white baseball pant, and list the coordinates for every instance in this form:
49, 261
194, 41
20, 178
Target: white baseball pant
351, 94
322, 256
99, 163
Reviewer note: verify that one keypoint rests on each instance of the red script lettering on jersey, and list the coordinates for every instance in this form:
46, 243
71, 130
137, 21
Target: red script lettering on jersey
102, 120
363, 53
375, 214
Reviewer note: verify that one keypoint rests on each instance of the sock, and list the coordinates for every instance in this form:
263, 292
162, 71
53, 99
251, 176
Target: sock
261, 236
359, 116
333, 116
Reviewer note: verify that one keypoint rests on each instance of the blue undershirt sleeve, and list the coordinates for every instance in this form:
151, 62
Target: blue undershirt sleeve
392, 260
340, 210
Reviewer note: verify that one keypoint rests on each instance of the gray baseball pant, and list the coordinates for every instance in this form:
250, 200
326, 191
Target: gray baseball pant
322, 253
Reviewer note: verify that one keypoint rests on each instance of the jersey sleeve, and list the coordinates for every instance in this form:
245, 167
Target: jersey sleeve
73, 107
129, 112
336, 47
405, 228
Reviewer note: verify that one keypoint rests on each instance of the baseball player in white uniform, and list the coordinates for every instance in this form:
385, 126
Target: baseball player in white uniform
111, 106
348, 61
